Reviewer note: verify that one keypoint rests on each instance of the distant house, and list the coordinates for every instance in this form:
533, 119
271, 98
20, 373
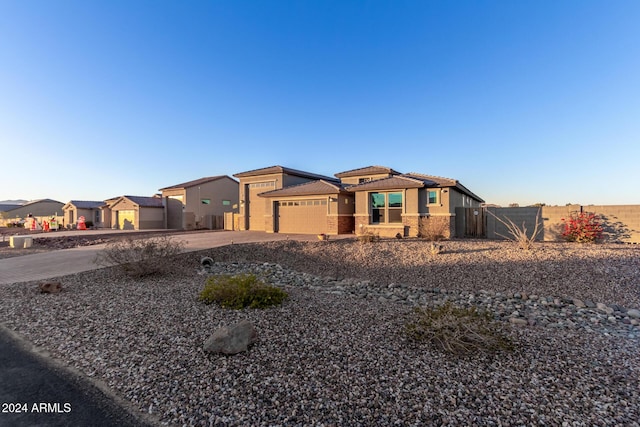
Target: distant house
89, 209
135, 213
200, 203
40, 209
374, 198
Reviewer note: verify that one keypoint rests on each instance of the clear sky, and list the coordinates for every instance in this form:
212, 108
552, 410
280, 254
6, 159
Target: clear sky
521, 101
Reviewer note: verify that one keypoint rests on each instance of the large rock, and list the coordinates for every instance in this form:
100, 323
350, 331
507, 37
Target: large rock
50, 287
231, 339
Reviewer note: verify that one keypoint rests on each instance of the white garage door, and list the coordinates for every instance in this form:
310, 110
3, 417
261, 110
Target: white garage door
126, 220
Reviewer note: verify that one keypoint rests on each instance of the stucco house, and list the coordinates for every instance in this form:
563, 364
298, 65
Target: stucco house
90, 209
136, 212
200, 203
375, 199
388, 202
41, 209
261, 213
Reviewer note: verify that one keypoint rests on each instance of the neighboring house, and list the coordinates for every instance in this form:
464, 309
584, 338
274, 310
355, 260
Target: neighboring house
89, 209
201, 203
375, 198
260, 213
136, 212
40, 209
389, 203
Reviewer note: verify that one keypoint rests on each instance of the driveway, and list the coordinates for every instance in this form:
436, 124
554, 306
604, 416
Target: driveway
47, 265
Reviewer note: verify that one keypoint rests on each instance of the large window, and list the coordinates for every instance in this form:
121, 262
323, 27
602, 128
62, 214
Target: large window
386, 208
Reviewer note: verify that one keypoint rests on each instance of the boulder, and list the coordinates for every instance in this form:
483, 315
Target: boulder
231, 339
50, 287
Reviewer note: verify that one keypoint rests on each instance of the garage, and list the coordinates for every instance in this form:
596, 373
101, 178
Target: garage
302, 216
126, 219
257, 204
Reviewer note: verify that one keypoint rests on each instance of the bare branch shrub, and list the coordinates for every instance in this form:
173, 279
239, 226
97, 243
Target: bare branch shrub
368, 236
434, 228
140, 257
517, 234
457, 330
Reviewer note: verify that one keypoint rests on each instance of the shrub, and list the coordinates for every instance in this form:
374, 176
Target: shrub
240, 291
140, 257
434, 228
583, 227
517, 234
368, 236
457, 330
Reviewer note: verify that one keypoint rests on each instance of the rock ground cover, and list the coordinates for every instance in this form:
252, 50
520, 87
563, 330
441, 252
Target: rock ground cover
335, 354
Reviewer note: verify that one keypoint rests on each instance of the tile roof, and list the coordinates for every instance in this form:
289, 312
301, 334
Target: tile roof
445, 182
196, 182
281, 169
147, 202
368, 170
313, 188
85, 204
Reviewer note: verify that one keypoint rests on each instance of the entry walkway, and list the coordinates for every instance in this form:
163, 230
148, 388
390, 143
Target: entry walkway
47, 265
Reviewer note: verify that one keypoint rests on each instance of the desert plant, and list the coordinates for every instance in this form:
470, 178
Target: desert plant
367, 236
583, 227
457, 330
520, 234
434, 228
240, 291
435, 248
140, 257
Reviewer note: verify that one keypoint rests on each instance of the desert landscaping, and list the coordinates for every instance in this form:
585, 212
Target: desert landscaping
336, 352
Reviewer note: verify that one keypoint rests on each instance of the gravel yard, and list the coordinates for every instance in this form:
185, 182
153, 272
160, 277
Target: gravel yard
335, 353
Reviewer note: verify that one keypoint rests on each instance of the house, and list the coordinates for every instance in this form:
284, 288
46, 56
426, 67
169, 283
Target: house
374, 198
136, 212
42, 209
388, 202
201, 203
261, 213
89, 209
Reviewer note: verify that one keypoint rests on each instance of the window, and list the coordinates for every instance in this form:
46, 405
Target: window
205, 201
226, 203
361, 180
433, 197
386, 208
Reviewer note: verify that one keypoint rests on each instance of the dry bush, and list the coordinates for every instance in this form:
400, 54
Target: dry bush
457, 330
434, 228
517, 234
140, 257
368, 236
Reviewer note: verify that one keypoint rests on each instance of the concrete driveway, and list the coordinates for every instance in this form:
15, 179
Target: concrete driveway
47, 265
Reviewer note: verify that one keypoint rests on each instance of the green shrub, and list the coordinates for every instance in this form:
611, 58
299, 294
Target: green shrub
240, 291
140, 257
457, 330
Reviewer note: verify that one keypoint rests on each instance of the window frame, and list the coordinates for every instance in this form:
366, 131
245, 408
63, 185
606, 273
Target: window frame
436, 194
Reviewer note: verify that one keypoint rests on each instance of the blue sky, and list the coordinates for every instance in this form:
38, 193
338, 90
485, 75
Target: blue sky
522, 101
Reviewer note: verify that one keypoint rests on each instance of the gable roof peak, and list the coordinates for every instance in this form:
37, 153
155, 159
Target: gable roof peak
367, 170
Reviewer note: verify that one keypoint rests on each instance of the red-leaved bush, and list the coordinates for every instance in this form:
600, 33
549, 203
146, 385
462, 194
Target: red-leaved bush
583, 227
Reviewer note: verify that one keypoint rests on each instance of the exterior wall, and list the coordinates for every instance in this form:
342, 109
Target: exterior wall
244, 202
149, 218
72, 214
621, 223
37, 209
356, 179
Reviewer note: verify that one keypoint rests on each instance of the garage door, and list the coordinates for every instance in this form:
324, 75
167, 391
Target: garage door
257, 204
126, 220
302, 216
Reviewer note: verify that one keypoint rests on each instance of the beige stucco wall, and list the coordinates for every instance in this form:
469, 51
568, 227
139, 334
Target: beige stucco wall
356, 179
149, 218
621, 223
